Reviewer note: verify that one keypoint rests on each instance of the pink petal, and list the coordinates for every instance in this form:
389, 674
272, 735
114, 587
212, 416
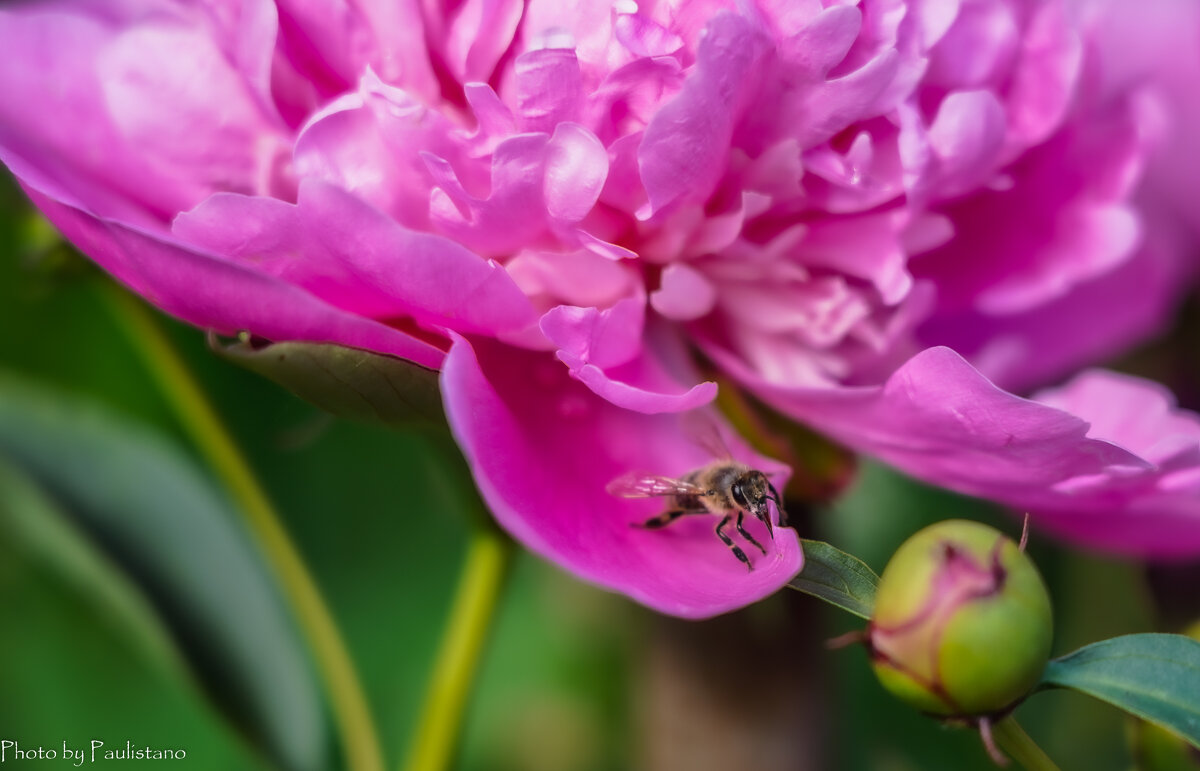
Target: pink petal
580, 278
1067, 222
1045, 79
216, 294
93, 94
350, 254
938, 419
684, 149
576, 168
644, 37
605, 338
1152, 514
1137, 414
684, 295
372, 142
604, 351
966, 137
513, 216
479, 34
549, 89
543, 448
1093, 322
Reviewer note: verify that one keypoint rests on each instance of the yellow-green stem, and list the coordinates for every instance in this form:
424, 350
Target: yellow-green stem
360, 742
1020, 747
486, 564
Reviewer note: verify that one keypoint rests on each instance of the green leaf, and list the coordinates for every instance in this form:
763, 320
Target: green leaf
1153, 676
33, 524
347, 382
147, 507
839, 578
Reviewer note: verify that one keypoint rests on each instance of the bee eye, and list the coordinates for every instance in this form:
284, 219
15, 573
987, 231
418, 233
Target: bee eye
738, 496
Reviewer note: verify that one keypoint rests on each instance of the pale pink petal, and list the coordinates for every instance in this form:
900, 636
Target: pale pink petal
562, 446
1044, 79
685, 294
576, 169
478, 35
513, 215
966, 137
581, 278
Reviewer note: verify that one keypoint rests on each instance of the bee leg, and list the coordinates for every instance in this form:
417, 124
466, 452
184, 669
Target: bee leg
737, 550
662, 520
783, 516
746, 535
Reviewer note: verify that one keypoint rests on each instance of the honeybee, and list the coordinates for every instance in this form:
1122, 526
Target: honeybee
725, 487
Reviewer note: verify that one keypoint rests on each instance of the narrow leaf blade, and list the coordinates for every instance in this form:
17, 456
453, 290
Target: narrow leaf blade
1153, 676
138, 499
836, 577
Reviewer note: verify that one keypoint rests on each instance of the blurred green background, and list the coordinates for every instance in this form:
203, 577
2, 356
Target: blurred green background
574, 679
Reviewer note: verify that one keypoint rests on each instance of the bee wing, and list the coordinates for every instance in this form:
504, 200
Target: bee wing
639, 484
703, 431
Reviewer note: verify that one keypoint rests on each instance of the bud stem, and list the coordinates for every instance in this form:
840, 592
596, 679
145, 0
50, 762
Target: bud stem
484, 570
1013, 739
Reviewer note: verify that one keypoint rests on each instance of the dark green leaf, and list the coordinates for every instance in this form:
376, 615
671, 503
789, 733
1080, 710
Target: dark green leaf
839, 578
1153, 676
347, 382
148, 508
32, 523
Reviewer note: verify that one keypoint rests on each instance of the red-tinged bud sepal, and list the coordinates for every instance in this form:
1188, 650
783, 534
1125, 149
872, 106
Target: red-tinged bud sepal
962, 624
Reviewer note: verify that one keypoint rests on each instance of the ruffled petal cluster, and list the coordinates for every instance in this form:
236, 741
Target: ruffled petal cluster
560, 204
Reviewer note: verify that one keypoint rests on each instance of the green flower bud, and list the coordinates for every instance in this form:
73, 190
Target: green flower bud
962, 623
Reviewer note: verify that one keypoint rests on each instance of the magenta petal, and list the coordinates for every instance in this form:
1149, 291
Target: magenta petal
93, 94
549, 89
683, 152
603, 350
480, 32
605, 338
1093, 322
372, 142
938, 419
1153, 514
213, 293
543, 448
1139, 415
339, 248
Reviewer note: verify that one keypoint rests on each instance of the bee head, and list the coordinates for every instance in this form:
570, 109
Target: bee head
753, 491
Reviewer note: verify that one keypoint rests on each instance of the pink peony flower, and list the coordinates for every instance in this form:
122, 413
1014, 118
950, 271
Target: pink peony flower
556, 204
